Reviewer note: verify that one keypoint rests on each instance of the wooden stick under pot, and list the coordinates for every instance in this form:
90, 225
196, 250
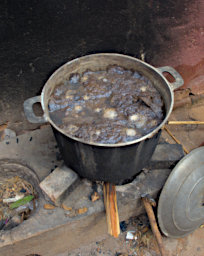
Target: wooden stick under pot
110, 202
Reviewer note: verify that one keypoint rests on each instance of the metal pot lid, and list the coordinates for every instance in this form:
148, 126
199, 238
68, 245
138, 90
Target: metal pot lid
181, 203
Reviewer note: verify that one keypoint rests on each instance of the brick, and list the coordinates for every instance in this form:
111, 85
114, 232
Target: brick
197, 85
59, 184
166, 156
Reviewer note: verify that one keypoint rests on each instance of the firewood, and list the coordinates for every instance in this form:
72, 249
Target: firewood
110, 201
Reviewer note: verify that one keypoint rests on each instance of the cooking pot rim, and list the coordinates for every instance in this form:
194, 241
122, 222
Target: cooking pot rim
147, 136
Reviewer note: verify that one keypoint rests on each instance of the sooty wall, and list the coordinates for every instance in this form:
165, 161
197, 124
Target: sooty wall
39, 36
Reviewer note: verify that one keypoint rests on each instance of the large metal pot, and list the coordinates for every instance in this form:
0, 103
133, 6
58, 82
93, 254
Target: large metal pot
113, 163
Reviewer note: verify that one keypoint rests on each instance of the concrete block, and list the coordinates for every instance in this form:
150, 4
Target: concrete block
166, 156
59, 183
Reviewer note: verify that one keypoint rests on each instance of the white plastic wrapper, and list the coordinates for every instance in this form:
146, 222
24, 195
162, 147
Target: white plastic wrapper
131, 235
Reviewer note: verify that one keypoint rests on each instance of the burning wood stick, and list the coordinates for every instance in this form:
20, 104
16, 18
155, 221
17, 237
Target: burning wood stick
148, 203
110, 202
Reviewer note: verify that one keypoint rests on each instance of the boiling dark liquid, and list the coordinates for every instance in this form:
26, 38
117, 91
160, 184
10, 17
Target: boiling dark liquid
109, 107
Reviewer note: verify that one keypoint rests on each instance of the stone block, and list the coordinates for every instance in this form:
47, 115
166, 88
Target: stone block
59, 183
166, 156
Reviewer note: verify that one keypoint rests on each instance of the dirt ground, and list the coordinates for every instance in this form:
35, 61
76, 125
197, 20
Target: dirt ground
146, 246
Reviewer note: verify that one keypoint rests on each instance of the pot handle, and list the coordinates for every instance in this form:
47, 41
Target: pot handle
178, 79
28, 109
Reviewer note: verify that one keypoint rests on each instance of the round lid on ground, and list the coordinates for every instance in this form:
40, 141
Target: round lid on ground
181, 203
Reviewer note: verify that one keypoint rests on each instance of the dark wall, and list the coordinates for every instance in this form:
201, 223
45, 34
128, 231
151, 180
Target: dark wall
39, 36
